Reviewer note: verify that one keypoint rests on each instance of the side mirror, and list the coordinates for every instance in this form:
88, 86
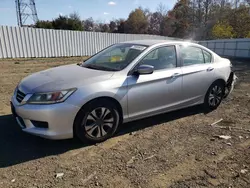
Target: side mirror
145, 69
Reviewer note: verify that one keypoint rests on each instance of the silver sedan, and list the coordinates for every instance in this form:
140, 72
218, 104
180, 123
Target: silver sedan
124, 82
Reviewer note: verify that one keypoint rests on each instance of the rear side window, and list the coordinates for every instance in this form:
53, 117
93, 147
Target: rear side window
191, 55
207, 56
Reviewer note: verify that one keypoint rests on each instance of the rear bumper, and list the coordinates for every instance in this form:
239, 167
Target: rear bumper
59, 117
230, 84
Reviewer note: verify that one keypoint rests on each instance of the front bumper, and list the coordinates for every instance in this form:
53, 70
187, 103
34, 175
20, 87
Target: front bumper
60, 118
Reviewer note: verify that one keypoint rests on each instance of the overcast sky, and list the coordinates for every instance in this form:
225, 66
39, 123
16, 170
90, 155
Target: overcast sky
102, 10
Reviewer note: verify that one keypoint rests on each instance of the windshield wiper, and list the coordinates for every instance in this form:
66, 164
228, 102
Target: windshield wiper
96, 67
91, 67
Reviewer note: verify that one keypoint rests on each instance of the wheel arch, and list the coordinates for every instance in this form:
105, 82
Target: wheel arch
220, 80
106, 98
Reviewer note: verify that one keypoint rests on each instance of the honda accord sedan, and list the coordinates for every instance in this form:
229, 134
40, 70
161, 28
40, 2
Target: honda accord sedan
124, 82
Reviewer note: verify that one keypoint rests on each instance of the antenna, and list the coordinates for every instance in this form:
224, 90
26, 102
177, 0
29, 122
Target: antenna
26, 9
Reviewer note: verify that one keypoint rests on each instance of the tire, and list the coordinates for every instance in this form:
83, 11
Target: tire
214, 95
96, 121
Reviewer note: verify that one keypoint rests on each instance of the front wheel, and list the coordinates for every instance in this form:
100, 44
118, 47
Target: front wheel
214, 95
97, 121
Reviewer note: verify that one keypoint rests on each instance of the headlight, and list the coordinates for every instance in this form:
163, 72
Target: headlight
50, 97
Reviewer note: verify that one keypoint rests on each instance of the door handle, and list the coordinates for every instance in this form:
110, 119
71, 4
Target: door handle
175, 75
210, 68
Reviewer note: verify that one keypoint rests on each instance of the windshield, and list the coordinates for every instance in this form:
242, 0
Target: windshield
115, 57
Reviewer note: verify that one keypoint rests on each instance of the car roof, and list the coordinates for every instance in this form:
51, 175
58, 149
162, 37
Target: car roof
152, 42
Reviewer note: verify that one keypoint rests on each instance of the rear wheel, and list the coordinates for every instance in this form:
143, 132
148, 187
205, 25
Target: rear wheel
214, 95
97, 121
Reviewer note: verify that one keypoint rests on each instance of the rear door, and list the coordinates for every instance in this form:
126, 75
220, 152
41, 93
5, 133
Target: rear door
197, 72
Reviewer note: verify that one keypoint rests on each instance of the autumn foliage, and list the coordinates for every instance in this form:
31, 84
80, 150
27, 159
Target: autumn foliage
193, 19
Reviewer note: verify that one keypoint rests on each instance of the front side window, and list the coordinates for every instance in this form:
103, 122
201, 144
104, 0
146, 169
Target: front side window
114, 58
191, 55
161, 58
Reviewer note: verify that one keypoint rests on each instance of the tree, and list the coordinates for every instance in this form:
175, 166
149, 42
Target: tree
248, 35
239, 19
155, 23
112, 26
121, 24
44, 24
206, 4
71, 22
156, 20
222, 31
166, 26
88, 24
137, 22
104, 28
181, 19
60, 22
74, 21
162, 9
196, 19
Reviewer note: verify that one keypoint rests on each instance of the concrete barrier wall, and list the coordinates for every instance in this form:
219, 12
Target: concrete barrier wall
238, 48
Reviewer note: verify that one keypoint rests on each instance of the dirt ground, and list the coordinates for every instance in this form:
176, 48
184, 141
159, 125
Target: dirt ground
178, 149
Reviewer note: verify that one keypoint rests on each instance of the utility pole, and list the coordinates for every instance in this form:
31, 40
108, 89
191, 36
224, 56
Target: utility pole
26, 9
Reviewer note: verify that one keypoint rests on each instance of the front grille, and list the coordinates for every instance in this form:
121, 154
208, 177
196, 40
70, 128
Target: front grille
19, 96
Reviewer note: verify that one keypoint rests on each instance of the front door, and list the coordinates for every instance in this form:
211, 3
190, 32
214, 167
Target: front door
154, 93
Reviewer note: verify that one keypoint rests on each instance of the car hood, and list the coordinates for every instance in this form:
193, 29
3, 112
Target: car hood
60, 78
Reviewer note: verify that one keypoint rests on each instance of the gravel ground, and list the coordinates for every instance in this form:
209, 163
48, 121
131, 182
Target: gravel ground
178, 149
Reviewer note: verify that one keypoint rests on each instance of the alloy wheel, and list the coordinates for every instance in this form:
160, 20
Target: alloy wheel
99, 122
215, 96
